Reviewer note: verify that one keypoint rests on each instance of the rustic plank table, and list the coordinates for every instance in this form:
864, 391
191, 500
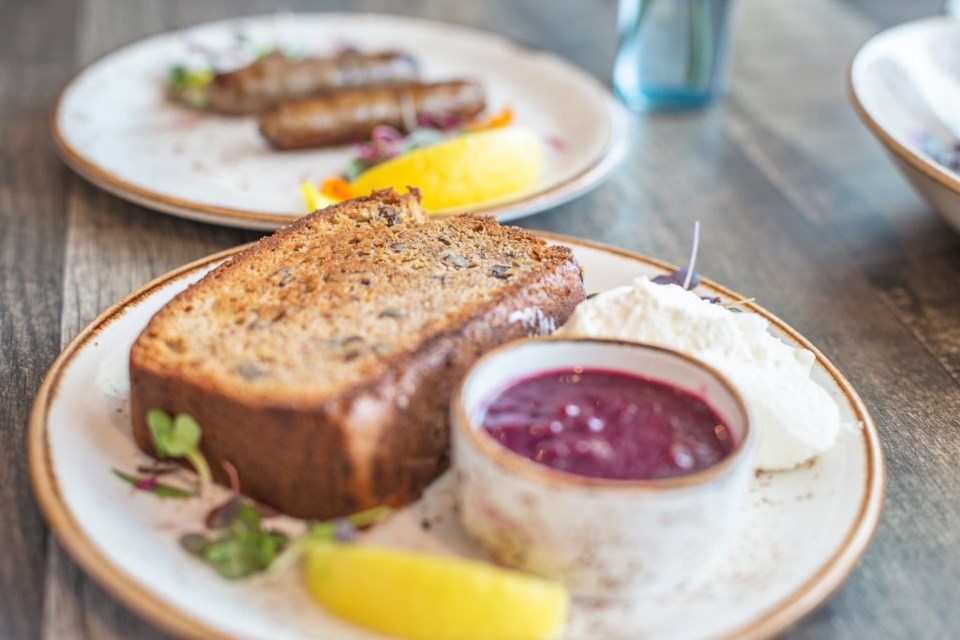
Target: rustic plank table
799, 206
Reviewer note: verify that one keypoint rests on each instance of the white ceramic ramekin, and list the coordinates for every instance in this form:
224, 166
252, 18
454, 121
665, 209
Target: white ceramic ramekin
603, 538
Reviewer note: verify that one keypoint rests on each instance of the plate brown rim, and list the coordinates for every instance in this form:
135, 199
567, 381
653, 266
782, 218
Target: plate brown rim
228, 216
786, 613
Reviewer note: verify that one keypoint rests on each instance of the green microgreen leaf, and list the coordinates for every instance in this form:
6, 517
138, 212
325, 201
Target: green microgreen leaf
184, 436
241, 547
179, 437
265, 50
354, 169
289, 556
182, 78
203, 469
161, 425
233, 558
188, 86
325, 531
368, 518
178, 77
156, 488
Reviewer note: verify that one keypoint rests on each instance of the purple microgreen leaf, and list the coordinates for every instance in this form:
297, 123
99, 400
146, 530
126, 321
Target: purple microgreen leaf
150, 485
194, 543
233, 475
157, 469
692, 263
386, 143
222, 516
442, 121
343, 531
241, 547
687, 276
677, 277
146, 484
385, 135
266, 512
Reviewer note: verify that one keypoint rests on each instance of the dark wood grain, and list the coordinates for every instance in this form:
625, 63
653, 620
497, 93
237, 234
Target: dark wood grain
923, 293
799, 206
890, 12
36, 54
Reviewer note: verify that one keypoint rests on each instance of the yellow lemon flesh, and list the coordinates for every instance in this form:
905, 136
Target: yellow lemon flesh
313, 200
465, 171
427, 597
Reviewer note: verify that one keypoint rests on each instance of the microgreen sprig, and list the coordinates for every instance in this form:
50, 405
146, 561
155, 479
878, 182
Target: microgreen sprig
152, 485
685, 277
179, 437
339, 529
240, 546
189, 86
691, 265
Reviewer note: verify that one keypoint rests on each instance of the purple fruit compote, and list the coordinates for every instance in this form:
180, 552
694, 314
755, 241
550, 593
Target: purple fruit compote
608, 424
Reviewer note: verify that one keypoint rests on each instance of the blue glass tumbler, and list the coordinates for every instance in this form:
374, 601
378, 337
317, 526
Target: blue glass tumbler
672, 53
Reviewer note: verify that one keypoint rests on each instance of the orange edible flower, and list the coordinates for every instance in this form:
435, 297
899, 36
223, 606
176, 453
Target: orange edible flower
496, 121
337, 188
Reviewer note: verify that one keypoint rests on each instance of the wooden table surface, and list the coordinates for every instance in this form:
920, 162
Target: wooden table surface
800, 208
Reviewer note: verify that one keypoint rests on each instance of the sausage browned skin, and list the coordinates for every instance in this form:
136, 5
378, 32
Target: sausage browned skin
277, 78
351, 115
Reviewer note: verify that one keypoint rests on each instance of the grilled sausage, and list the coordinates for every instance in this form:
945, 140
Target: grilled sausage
352, 114
277, 78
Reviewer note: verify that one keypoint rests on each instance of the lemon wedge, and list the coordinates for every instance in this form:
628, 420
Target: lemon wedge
465, 171
313, 199
428, 597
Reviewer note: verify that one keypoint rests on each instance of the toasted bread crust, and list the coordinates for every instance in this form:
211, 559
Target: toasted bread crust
381, 439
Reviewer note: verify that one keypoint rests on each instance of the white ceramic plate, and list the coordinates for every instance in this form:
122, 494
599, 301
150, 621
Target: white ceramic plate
114, 127
800, 535
905, 84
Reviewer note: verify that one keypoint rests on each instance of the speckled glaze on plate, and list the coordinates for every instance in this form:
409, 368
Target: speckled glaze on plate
114, 127
798, 537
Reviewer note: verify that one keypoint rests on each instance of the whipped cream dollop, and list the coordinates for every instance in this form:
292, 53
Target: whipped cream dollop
795, 418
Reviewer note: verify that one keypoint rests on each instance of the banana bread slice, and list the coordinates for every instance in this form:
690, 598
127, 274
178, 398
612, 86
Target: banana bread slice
321, 360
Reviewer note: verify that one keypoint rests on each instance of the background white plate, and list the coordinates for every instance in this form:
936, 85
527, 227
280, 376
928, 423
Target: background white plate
905, 84
800, 534
114, 127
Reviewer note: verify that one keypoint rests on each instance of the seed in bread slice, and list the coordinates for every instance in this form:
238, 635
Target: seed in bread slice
320, 361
